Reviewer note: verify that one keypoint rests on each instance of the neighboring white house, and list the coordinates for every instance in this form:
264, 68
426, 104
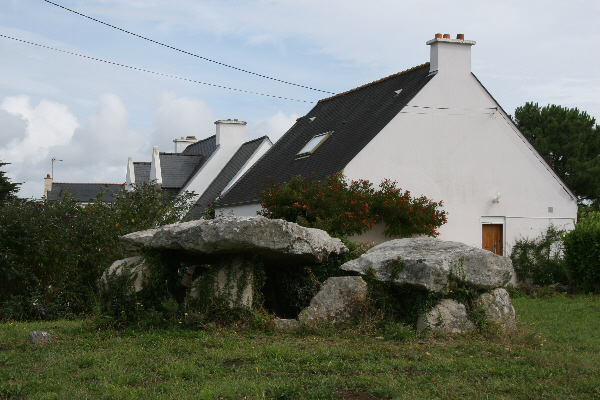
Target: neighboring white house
205, 167
438, 132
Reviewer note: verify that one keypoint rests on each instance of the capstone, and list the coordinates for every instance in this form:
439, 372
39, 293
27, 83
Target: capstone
271, 239
429, 263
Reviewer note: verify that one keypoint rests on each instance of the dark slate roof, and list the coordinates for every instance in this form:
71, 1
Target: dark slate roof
141, 171
355, 117
226, 175
84, 192
178, 168
204, 147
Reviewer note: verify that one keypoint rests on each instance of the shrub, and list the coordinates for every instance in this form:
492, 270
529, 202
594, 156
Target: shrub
52, 253
582, 252
344, 209
541, 259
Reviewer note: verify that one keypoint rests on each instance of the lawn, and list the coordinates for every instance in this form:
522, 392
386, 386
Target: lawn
555, 355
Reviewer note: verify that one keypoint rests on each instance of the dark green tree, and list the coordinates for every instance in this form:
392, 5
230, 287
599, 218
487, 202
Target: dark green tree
569, 140
8, 189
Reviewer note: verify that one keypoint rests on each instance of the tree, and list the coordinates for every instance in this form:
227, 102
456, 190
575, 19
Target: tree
8, 189
345, 209
569, 140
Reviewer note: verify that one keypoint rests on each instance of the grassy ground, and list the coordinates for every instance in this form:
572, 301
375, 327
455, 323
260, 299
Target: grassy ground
555, 355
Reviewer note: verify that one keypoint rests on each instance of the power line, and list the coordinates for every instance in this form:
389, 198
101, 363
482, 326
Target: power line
152, 72
185, 52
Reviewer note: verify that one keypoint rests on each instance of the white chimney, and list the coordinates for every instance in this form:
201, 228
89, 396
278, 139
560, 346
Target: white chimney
130, 178
450, 56
47, 185
155, 171
181, 144
231, 133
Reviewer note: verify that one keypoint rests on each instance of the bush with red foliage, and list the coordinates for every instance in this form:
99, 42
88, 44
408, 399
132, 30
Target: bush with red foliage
347, 208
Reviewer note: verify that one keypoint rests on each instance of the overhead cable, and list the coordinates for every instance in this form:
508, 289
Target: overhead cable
152, 72
186, 52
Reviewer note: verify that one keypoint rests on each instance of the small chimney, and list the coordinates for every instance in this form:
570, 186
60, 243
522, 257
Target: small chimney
450, 56
130, 178
155, 171
47, 185
181, 144
230, 132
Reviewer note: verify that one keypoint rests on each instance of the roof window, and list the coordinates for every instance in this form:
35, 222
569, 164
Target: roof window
313, 144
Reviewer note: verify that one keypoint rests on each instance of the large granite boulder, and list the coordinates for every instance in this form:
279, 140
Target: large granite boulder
339, 300
498, 308
448, 316
272, 239
429, 263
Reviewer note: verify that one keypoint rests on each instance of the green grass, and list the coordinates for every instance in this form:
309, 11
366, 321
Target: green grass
555, 355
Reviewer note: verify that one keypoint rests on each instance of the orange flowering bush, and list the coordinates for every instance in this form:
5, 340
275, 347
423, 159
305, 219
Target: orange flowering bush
345, 208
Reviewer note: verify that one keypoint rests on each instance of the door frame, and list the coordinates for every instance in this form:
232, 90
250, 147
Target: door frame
494, 221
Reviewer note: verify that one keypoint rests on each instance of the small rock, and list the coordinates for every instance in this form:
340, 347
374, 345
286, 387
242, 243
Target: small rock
286, 324
38, 337
447, 316
339, 299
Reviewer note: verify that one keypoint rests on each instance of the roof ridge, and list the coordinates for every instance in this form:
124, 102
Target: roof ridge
374, 82
172, 153
260, 138
86, 183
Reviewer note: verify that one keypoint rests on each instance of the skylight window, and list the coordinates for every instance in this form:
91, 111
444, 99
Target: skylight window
313, 144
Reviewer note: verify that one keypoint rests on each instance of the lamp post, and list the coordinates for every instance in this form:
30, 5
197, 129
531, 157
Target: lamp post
53, 159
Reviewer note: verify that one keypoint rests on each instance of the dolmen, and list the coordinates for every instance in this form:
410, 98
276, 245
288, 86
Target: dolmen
422, 263
227, 243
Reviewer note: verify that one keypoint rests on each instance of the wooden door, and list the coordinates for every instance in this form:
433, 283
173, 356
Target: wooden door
492, 238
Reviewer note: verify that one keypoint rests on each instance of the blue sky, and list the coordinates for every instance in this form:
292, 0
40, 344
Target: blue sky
93, 115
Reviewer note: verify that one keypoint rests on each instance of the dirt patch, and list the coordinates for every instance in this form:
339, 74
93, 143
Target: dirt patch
236, 363
356, 395
148, 382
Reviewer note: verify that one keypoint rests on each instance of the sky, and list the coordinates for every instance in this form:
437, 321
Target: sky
93, 114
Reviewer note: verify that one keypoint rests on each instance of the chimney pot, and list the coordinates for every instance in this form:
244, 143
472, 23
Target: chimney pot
446, 36
460, 36
438, 35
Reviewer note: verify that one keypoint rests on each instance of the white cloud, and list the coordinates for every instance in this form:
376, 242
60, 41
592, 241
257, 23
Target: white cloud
14, 128
274, 127
48, 124
176, 117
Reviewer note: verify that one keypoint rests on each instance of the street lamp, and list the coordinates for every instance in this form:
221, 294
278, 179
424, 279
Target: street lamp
53, 159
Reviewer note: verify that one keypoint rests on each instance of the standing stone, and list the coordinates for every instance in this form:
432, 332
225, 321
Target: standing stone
137, 267
339, 300
448, 316
498, 308
429, 263
232, 280
38, 337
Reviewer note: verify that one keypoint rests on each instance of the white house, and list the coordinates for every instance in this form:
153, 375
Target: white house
206, 167
438, 132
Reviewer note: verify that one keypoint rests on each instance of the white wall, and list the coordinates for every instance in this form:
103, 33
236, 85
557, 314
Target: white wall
231, 135
464, 156
246, 210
